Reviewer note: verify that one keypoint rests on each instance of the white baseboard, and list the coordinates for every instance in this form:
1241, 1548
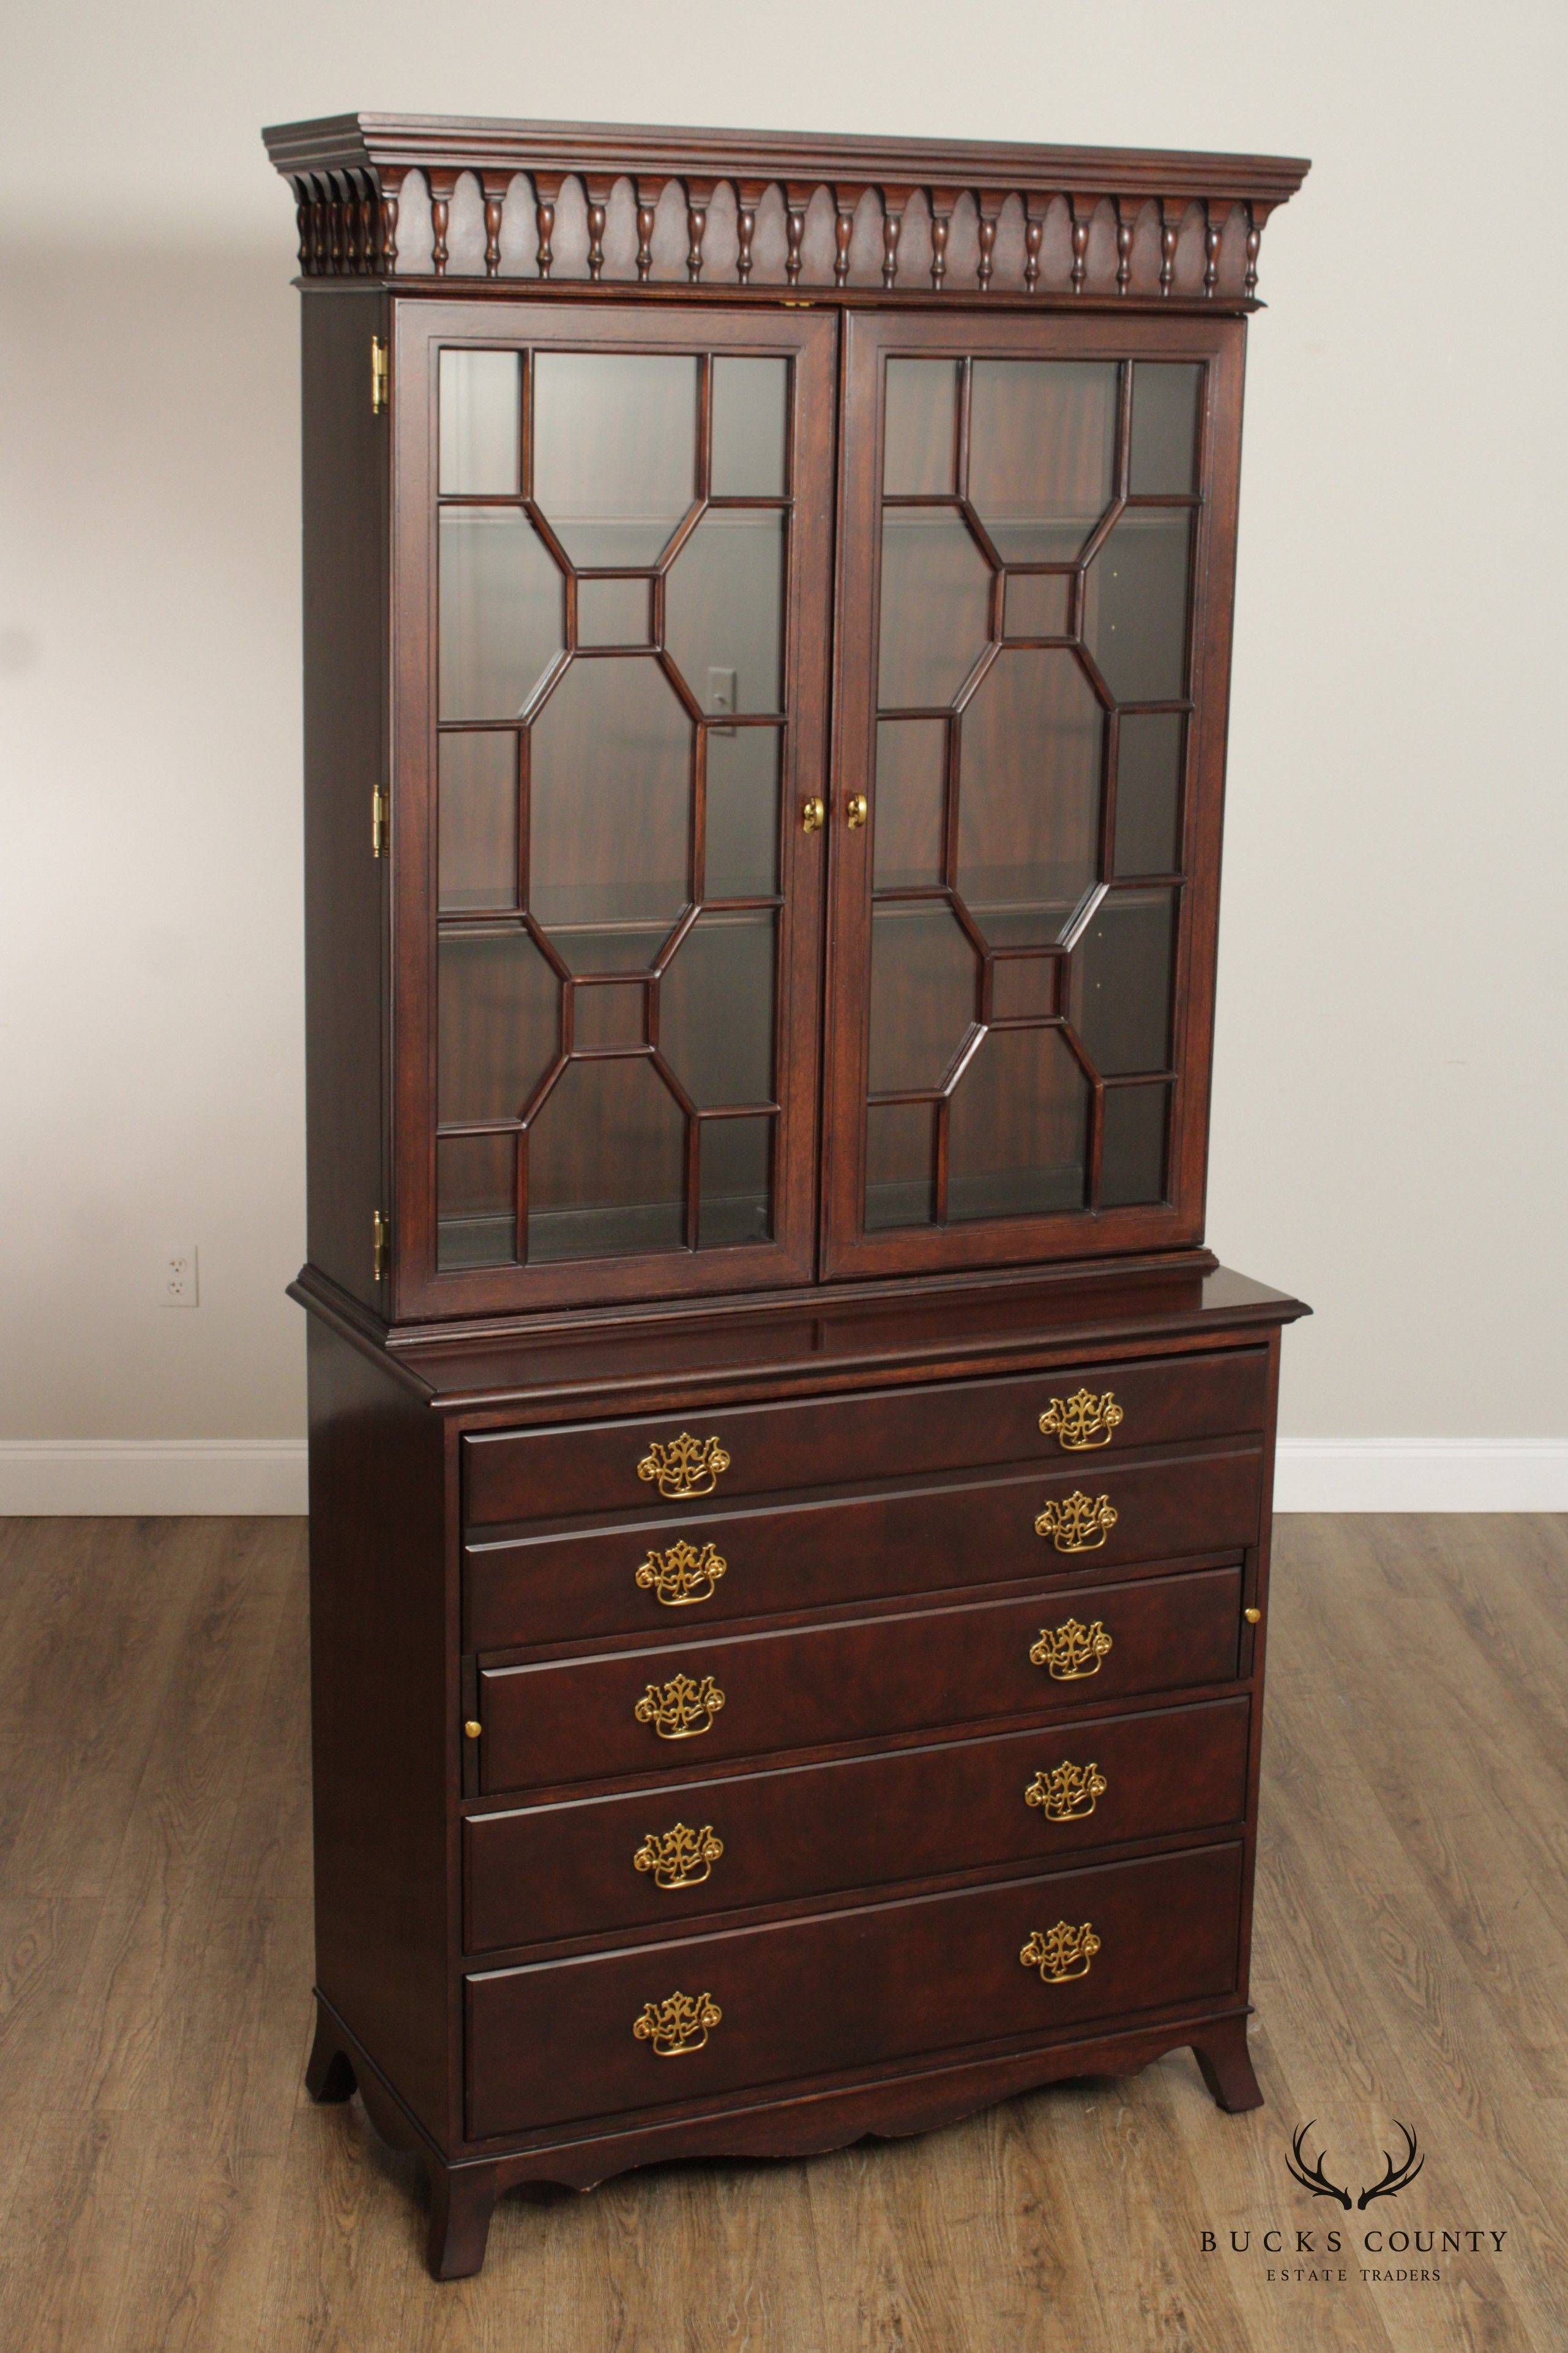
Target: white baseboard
142, 1478
148, 1477
1421, 1474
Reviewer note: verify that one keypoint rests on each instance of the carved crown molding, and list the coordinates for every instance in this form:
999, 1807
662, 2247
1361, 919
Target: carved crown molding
422, 196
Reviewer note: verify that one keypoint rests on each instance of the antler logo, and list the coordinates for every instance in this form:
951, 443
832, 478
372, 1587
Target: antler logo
1396, 2177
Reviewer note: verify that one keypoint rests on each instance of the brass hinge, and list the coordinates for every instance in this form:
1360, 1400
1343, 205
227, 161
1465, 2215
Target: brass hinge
380, 378
380, 820
379, 1238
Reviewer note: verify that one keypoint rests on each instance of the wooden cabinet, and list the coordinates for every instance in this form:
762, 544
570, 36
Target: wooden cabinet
789, 1484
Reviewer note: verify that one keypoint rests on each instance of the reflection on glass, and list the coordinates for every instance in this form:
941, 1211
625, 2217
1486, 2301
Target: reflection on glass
1019, 1131
498, 1022
910, 807
1133, 1145
1148, 792
716, 1009
1024, 988
1164, 428
1037, 605
936, 605
615, 441
1030, 761
607, 1164
901, 1165
733, 1200
742, 812
476, 1210
1135, 615
922, 993
725, 609
1042, 447
751, 399
503, 611
1122, 982
480, 414
478, 858
608, 1014
919, 428
611, 800
613, 613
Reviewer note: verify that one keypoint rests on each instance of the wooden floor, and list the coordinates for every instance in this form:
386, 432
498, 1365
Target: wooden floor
164, 2182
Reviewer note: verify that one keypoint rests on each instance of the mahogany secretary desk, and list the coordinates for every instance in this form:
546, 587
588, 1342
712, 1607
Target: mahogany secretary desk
789, 1487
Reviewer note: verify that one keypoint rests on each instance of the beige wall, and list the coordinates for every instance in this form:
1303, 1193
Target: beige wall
1389, 1129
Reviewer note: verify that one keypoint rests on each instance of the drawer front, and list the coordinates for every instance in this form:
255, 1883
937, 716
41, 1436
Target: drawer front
825, 1686
653, 1577
1021, 1799
612, 2032
663, 1466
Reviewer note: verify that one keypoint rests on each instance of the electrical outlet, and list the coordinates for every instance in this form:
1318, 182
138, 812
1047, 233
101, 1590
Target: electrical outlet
179, 1277
722, 698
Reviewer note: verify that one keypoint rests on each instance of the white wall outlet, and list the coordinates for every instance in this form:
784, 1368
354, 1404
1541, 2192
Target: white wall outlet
179, 1277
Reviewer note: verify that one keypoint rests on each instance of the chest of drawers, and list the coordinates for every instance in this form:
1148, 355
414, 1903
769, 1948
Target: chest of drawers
838, 1728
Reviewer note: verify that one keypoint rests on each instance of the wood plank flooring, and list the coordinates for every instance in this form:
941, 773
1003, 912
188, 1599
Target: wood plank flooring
164, 2182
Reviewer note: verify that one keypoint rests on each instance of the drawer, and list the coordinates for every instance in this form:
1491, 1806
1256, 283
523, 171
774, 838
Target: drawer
513, 1475
612, 2032
649, 1575
1017, 1799
834, 1682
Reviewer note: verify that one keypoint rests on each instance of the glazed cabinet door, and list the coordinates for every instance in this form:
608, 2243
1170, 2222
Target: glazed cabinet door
611, 630
1035, 590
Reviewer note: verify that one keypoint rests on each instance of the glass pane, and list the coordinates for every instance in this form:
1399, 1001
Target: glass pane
1030, 754
1135, 612
716, 1009
611, 771
920, 429
936, 606
607, 1164
901, 1165
1122, 982
723, 612
1164, 428
735, 1156
503, 611
480, 423
1148, 792
614, 450
908, 811
1133, 1145
479, 821
1024, 988
1017, 1139
1037, 605
751, 401
476, 1201
614, 613
1042, 450
498, 1024
922, 995
742, 812
608, 1014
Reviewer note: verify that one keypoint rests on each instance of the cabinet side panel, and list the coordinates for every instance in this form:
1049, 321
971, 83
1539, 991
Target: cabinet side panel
345, 545
383, 1720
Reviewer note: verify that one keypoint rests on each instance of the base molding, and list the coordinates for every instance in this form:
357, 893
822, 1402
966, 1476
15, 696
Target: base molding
1421, 1474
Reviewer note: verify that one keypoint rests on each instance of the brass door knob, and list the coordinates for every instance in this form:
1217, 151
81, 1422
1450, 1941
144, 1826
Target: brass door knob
471, 1730
1253, 1617
857, 809
813, 815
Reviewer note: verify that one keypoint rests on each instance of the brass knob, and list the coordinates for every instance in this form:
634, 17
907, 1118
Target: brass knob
813, 815
857, 809
1253, 1617
471, 1730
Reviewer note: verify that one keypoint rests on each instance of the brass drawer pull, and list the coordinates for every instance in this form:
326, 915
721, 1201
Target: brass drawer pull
681, 1573
1070, 1652
1063, 1953
685, 1468
1067, 1792
678, 2024
1079, 1525
1083, 1421
679, 1857
680, 1709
